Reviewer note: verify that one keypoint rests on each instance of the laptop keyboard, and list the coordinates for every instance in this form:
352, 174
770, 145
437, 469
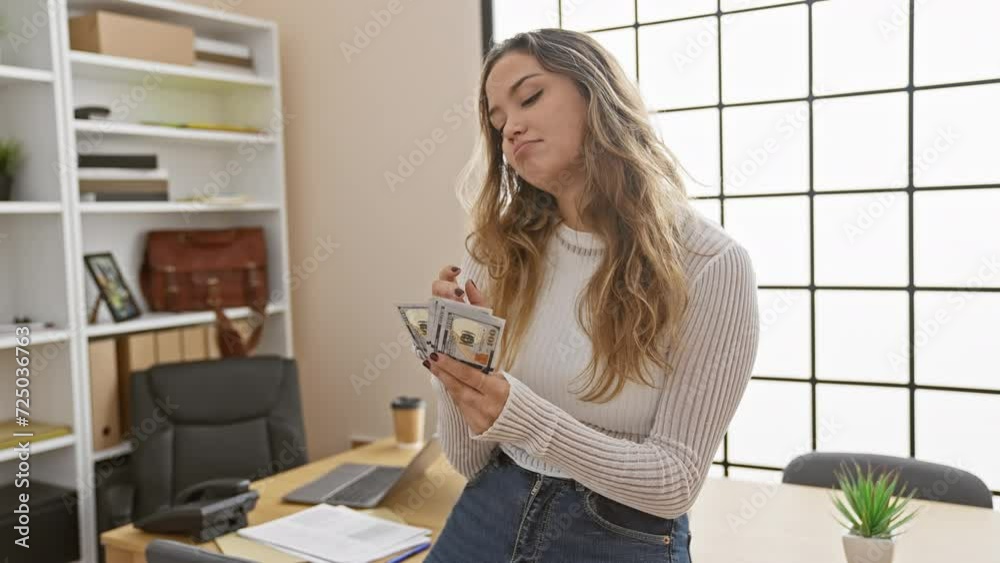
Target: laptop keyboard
368, 487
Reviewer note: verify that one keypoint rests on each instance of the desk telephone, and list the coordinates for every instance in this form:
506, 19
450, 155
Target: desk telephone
205, 511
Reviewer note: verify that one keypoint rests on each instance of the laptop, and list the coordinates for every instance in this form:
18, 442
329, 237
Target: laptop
363, 485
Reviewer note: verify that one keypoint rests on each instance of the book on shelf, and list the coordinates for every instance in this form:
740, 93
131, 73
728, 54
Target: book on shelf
125, 186
232, 49
41, 431
110, 160
228, 199
123, 196
121, 174
222, 54
204, 126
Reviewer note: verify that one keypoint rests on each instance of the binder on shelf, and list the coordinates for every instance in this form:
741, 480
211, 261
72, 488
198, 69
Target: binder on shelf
134, 352
106, 414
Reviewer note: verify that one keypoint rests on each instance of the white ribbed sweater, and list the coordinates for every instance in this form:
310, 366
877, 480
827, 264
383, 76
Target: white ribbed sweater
649, 448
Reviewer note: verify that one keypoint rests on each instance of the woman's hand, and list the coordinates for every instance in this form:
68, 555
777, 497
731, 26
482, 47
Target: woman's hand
446, 286
479, 397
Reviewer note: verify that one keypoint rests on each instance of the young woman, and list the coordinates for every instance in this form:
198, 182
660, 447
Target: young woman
631, 330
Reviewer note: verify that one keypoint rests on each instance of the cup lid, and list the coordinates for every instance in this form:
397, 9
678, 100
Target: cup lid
404, 402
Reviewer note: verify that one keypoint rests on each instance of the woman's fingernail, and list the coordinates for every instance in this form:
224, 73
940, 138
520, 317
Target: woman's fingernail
427, 364
459, 291
474, 284
456, 269
434, 356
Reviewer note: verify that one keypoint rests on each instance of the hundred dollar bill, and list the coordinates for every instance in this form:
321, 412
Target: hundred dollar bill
437, 308
415, 320
472, 337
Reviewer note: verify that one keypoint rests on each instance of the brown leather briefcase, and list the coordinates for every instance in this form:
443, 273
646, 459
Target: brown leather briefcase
197, 270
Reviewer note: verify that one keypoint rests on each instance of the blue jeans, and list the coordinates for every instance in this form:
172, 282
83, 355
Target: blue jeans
507, 514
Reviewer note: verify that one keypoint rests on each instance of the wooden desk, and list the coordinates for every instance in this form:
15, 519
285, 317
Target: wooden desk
732, 522
425, 503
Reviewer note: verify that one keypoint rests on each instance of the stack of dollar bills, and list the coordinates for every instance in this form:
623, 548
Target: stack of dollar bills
468, 333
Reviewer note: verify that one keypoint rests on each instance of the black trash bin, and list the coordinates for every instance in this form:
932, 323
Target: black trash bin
54, 529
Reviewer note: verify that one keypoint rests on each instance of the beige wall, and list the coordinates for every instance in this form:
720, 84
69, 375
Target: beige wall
351, 121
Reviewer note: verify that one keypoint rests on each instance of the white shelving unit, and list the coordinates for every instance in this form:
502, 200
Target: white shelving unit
47, 230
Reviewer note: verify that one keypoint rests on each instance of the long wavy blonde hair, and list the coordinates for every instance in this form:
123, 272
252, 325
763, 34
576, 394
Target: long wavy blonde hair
633, 199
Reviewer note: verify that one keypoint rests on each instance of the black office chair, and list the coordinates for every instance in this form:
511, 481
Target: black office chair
166, 551
238, 418
932, 481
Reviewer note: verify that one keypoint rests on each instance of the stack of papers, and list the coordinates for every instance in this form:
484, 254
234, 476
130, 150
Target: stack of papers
324, 534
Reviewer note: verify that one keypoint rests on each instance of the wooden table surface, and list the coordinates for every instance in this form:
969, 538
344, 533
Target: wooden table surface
425, 503
732, 521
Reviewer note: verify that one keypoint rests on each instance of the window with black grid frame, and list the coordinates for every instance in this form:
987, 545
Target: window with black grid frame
853, 146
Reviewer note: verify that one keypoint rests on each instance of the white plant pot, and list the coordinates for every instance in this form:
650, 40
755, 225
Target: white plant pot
859, 549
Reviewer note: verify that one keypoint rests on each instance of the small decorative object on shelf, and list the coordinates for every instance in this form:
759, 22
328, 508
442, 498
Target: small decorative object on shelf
112, 288
10, 159
6, 329
874, 511
92, 112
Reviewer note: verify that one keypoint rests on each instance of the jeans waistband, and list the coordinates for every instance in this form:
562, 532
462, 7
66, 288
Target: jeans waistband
501, 458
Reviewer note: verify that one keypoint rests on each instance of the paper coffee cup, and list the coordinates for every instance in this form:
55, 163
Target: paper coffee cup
408, 420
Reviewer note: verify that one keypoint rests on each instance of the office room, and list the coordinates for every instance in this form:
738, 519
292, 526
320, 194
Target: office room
477, 281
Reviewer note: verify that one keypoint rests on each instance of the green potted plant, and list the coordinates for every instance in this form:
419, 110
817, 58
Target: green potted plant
874, 509
10, 158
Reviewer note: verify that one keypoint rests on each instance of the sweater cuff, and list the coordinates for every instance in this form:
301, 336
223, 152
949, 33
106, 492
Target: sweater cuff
527, 420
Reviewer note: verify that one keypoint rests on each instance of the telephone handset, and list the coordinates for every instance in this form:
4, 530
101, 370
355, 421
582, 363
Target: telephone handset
206, 510
212, 489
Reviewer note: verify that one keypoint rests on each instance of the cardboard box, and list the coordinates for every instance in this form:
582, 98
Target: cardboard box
109, 33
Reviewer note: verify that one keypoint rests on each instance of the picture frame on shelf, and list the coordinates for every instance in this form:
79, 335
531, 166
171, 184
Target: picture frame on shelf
112, 287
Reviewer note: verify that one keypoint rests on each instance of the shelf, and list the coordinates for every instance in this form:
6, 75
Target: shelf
175, 133
44, 336
114, 451
105, 207
29, 207
157, 321
21, 75
107, 67
40, 447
